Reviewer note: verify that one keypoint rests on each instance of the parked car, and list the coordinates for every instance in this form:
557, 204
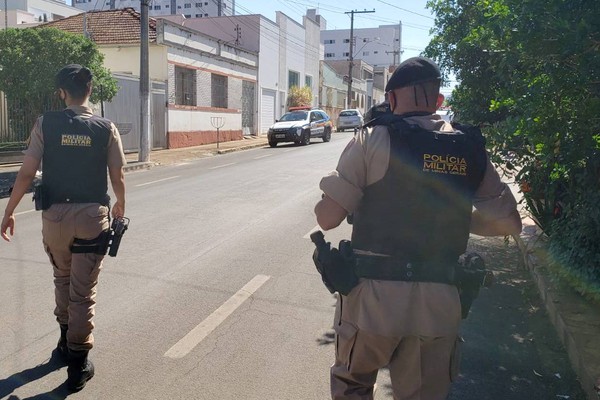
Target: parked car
348, 119
299, 125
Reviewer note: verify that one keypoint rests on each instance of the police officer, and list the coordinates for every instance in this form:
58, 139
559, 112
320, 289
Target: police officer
75, 148
411, 183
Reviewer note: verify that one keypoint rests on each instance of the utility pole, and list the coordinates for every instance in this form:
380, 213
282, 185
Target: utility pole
349, 95
144, 153
5, 14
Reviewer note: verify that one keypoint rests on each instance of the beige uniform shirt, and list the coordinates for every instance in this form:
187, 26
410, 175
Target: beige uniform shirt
392, 308
115, 158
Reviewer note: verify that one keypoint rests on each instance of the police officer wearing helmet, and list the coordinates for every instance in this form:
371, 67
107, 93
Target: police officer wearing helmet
411, 182
75, 149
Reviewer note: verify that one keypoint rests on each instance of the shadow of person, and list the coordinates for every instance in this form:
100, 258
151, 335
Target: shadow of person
15, 381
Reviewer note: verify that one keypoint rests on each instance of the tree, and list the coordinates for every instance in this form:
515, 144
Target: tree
299, 96
529, 73
29, 60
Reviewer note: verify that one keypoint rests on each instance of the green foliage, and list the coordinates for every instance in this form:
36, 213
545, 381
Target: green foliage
529, 73
30, 58
299, 96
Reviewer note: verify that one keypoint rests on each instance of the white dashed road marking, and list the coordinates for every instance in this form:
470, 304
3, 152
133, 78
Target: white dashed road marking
24, 212
267, 155
160, 180
221, 166
204, 328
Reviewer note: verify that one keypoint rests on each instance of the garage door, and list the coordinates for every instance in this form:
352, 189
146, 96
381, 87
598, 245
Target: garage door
267, 109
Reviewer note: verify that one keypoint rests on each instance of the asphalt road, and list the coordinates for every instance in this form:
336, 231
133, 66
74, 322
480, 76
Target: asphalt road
214, 296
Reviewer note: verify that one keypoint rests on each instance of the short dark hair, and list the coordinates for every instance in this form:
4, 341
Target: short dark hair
75, 79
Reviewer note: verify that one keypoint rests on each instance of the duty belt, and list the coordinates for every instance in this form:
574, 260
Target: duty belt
392, 269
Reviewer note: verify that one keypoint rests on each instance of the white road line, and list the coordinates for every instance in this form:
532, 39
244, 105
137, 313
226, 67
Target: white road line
267, 155
24, 212
307, 236
160, 180
204, 328
221, 166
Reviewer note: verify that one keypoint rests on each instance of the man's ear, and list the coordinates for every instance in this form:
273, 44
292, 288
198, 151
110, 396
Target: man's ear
392, 100
62, 95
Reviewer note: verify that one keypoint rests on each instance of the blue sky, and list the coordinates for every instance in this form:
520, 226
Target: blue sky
416, 19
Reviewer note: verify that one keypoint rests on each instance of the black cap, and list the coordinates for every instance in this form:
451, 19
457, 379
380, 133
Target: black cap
70, 73
412, 71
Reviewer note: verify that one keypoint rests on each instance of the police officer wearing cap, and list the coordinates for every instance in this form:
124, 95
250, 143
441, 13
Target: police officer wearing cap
75, 149
410, 182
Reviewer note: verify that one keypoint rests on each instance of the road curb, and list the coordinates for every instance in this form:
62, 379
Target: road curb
137, 165
246, 147
566, 311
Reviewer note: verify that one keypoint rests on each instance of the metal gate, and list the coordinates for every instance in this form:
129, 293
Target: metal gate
124, 111
248, 94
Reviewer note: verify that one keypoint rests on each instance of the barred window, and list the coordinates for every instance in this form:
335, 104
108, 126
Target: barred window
218, 91
293, 79
308, 81
185, 86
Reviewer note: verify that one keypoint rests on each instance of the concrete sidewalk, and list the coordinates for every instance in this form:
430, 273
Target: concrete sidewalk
174, 156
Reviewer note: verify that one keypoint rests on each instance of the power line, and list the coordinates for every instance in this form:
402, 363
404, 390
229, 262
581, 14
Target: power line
404, 9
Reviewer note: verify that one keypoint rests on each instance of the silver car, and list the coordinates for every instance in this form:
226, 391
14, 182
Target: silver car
349, 119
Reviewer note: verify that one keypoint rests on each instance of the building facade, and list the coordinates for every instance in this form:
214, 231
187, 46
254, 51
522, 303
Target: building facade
379, 47
288, 55
26, 13
157, 8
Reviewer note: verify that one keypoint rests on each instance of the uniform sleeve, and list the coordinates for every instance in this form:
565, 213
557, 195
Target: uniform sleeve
35, 148
362, 163
116, 157
494, 198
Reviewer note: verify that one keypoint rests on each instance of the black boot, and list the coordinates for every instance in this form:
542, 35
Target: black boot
61, 347
79, 371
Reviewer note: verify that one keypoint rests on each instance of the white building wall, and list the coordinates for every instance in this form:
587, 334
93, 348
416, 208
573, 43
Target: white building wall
376, 46
33, 11
312, 55
125, 59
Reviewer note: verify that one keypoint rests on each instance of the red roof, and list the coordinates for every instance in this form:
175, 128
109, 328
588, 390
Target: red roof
107, 27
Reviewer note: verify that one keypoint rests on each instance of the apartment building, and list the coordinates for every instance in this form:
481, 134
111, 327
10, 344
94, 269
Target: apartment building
158, 8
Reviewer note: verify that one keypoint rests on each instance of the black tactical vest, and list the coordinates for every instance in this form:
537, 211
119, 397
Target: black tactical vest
74, 166
421, 210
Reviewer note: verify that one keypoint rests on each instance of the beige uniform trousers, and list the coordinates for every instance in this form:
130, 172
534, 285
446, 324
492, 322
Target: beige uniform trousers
75, 275
421, 368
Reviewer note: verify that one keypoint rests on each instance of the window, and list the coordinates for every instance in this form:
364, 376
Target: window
206, 15
178, 7
346, 40
293, 79
329, 55
188, 15
185, 86
198, 15
346, 54
308, 81
187, 5
376, 52
218, 91
365, 53
157, 7
206, 3
329, 41
198, 5
166, 6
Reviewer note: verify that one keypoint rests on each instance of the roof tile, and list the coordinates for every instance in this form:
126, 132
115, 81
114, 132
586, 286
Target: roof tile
107, 27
